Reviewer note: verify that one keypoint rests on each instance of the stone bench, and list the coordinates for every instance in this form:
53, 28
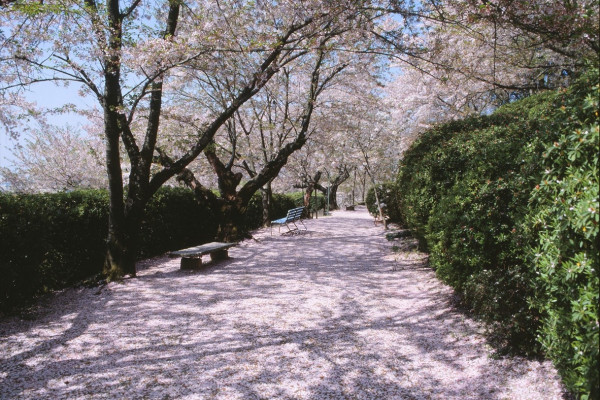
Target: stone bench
191, 258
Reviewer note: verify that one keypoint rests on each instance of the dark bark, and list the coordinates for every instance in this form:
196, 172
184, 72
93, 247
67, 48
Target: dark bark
341, 177
232, 204
310, 183
333, 205
231, 219
119, 260
354, 189
125, 214
229, 211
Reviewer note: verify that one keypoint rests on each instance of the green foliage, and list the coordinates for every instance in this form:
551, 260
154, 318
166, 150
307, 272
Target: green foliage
466, 186
174, 220
565, 220
281, 204
470, 191
48, 241
254, 213
318, 202
388, 196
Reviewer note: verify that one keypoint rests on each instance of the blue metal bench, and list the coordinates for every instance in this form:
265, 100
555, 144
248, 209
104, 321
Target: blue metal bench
290, 219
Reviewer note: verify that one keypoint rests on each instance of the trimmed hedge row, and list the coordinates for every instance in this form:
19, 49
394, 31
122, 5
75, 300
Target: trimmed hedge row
279, 207
507, 206
48, 241
51, 241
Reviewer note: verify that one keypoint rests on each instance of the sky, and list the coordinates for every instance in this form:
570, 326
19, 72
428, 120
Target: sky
46, 95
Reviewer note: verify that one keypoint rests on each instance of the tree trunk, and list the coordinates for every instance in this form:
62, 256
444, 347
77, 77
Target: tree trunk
311, 184
379, 208
364, 187
231, 222
331, 192
333, 205
307, 196
354, 189
122, 249
119, 259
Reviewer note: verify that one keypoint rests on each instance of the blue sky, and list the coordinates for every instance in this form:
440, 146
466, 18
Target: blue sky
47, 95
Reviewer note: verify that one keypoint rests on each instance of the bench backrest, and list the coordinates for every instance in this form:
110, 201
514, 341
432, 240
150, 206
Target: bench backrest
294, 214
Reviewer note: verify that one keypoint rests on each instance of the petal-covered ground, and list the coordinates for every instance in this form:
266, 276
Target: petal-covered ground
329, 313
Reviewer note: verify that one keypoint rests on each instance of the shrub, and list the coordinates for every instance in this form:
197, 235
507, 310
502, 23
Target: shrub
49, 241
281, 204
512, 223
388, 197
564, 219
318, 202
173, 220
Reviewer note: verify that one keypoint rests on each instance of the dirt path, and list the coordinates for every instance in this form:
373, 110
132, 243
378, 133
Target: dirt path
328, 314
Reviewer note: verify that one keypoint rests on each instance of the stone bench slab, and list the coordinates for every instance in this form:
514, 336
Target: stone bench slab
191, 258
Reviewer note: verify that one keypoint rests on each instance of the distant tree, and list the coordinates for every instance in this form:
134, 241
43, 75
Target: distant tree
56, 159
331, 155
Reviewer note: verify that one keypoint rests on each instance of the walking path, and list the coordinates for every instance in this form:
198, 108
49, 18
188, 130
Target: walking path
331, 313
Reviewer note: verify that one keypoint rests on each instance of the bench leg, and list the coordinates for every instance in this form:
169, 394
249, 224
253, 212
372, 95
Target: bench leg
219, 255
191, 262
290, 229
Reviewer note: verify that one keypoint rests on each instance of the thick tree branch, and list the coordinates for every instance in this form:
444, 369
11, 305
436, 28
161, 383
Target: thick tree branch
156, 97
267, 69
188, 178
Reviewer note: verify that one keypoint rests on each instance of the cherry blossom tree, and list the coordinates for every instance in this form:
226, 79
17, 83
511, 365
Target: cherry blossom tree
45, 161
125, 54
470, 56
330, 158
322, 166
569, 28
17, 115
231, 203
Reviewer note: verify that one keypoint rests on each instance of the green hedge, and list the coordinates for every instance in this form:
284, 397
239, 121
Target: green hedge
48, 241
467, 190
465, 187
564, 222
318, 202
173, 220
51, 241
280, 204
388, 196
